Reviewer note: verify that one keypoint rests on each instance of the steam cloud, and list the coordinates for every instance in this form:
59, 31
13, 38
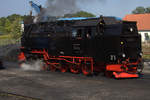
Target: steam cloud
33, 66
61, 7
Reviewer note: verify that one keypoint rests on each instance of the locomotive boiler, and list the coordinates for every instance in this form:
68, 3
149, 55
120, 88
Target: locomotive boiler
85, 45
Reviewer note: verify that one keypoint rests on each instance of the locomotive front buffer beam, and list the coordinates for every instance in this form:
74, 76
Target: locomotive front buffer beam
124, 70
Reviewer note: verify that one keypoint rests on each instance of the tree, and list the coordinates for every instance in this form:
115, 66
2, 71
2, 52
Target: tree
139, 10
2, 25
80, 14
13, 17
8, 26
147, 10
16, 28
11, 25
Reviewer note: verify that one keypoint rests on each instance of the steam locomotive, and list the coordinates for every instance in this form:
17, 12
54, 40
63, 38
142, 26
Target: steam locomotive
87, 45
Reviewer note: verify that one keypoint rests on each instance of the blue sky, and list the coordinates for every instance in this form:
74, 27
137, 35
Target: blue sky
117, 8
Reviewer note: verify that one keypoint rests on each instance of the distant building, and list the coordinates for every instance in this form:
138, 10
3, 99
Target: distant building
143, 24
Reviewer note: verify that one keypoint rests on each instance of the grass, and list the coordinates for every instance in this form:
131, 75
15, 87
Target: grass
6, 40
147, 56
7, 36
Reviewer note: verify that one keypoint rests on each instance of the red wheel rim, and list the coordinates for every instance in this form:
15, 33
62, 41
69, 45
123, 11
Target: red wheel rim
64, 69
74, 69
52, 68
86, 70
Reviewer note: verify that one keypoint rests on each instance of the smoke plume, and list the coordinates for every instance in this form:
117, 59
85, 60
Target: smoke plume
61, 7
33, 66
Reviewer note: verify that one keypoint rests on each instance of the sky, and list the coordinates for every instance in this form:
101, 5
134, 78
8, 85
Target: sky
118, 8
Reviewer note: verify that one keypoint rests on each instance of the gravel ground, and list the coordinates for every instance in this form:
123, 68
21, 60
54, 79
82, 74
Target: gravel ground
9, 52
46, 85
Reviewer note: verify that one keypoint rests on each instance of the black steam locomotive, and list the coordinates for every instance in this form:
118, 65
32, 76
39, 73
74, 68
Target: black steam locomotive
90, 45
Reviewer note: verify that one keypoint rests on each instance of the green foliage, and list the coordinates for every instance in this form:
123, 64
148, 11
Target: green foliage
2, 24
141, 10
16, 28
7, 39
80, 14
146, 56
147, 10
7, 36
11, 25
13, 17
146, 49
7, 26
